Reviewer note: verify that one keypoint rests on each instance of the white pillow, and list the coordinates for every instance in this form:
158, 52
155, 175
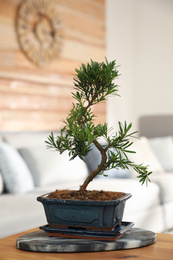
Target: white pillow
48, 167
15, 173
163, 149
144, 155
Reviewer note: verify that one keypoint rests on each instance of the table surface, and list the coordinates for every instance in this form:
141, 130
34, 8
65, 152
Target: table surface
162, 249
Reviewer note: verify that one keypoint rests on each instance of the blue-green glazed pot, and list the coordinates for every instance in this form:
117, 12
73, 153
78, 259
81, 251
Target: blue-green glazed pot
96, 215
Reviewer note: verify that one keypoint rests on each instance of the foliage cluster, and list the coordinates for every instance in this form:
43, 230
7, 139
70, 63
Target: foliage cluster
93, 83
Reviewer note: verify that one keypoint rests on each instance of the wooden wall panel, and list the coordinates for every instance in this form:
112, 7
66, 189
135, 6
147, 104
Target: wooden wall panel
38, 97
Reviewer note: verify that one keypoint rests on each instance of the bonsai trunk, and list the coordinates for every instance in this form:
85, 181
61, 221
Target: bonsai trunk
101, 167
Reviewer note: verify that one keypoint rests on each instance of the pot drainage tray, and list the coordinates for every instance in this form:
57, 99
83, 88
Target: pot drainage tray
88, 234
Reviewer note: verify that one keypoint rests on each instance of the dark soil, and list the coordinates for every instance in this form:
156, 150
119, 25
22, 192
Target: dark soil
85, 195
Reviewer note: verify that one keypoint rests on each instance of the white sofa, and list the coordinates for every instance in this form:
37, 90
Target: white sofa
28, 169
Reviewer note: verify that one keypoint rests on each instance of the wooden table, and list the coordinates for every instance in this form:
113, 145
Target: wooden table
162, 249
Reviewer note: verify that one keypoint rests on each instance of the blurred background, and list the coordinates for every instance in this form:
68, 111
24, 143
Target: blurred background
139, 35
36, 83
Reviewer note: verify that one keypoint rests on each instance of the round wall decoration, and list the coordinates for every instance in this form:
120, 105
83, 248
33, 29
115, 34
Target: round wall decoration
39, 31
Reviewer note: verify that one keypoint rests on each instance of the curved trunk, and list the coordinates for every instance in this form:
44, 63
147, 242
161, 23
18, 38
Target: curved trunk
101, 167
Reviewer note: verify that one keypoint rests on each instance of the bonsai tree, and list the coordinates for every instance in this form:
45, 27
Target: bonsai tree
93, 83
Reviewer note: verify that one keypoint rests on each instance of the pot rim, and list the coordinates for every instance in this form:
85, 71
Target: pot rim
43, 198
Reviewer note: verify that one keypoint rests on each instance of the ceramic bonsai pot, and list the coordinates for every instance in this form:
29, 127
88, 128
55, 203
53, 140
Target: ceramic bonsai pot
96, 215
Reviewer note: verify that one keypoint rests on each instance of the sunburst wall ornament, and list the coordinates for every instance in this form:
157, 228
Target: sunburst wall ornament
39, 31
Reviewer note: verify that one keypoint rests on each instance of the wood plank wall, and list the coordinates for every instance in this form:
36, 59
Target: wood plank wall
38, 97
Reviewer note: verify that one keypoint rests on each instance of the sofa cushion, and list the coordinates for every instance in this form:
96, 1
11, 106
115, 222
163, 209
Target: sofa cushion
19, 213
164, 181
16, 175
1, 184
25, 139
93, 159
49, 166
144, 155
163, 149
